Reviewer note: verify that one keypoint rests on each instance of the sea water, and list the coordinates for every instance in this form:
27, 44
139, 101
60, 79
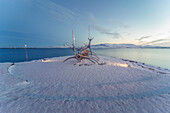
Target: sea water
153, 56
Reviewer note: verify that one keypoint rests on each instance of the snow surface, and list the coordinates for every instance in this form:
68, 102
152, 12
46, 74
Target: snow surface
114, 86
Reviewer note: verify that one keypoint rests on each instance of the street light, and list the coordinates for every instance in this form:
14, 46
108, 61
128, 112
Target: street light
26, 53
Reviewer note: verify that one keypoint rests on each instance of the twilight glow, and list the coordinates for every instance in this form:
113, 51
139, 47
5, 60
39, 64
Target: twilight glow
49, 23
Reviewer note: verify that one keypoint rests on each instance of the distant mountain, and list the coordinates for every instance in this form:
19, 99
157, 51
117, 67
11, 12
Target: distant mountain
107, 45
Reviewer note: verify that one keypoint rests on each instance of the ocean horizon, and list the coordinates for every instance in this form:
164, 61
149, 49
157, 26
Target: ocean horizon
153, 56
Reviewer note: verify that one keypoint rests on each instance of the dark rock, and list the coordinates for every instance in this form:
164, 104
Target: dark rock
12, 64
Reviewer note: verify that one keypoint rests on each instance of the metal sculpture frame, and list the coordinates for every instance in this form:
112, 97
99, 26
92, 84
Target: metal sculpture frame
83, 52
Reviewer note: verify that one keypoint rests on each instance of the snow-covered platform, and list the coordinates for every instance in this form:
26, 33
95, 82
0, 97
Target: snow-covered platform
114, 86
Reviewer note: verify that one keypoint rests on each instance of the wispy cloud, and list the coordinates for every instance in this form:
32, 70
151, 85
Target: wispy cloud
57, 11
93, 18
118, 23
106, 31
24, 36
98, 27
154, 41
162, 39
163, 43
144, 37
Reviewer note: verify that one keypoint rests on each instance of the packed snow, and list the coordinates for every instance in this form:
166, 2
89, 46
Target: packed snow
112, 86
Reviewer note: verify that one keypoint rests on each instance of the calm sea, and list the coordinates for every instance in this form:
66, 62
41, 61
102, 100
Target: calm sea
157, 57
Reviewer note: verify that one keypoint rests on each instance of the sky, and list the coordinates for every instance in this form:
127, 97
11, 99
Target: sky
49, 23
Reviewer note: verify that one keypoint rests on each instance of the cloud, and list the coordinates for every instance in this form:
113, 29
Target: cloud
144, 37
106, 31
57, 11
154, 41
93, 18
95, 25
116, 35
164, 43
118, 23
23, 35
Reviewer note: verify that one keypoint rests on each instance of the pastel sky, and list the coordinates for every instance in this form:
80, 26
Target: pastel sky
49, 23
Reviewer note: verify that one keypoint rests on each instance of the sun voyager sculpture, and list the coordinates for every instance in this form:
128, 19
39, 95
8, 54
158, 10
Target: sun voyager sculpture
83, 52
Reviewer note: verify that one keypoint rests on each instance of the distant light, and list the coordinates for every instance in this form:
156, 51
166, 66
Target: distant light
121, 65
48, 60
118, 64
25, 45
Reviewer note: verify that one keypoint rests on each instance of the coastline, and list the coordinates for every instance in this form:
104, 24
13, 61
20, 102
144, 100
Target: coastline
150, 56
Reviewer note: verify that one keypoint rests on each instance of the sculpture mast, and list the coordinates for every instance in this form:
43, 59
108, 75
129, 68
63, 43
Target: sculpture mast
89, 32
73, 41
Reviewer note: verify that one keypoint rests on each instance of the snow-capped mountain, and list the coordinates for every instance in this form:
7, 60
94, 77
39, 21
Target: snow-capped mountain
107, 45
